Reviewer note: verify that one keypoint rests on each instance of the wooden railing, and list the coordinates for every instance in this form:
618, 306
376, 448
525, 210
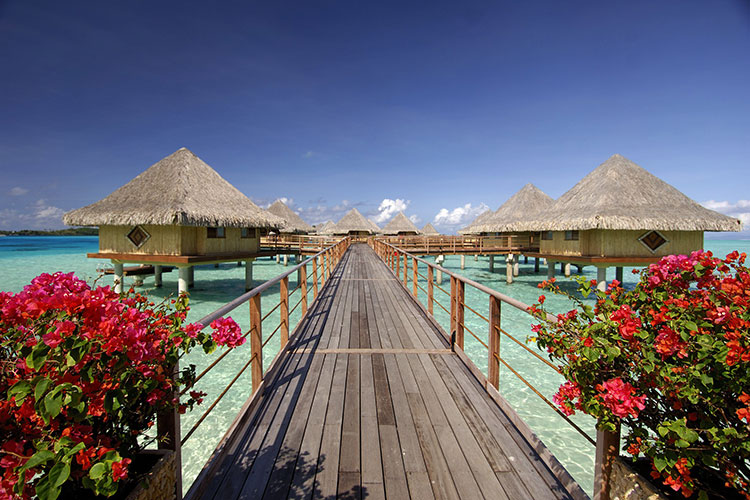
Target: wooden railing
421, 245
321, 265
297, 243
402, 262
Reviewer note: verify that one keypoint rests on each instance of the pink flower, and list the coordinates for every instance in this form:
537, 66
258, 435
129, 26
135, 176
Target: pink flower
227, 332
618, 397
568, 397
193, 329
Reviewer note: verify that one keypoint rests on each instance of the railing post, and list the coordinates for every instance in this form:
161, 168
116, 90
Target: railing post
284, 310
493, 368
406, 272
607, 450
315, 277
415, 277
460, 313
430, 288
453, 309
323, 270
303, 289
169, 438
397, 259
256, 342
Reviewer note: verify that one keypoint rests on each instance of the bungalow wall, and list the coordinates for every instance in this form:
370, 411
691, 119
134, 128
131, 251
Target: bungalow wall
621, 243
177, 240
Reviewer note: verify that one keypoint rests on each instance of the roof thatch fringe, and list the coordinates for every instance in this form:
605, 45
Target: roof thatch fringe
621, 195
481, 219
293, 222
326, 228
353, 221
400, 224
522, 206
429, 230
178, 190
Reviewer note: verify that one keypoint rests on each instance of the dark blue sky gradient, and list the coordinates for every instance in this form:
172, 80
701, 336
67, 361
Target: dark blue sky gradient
439, 103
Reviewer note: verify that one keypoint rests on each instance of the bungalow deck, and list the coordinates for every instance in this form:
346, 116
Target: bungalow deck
368, 400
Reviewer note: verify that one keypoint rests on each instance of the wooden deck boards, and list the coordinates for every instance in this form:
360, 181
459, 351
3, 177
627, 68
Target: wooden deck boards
368, 401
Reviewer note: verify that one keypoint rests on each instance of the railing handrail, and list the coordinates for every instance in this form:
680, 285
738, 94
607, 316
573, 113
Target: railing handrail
489, 291
230, 306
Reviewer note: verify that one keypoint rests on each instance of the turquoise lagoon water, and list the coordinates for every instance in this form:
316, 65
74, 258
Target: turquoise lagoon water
23, 258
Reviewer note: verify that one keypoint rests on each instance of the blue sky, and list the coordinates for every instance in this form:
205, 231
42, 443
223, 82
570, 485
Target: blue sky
440, 108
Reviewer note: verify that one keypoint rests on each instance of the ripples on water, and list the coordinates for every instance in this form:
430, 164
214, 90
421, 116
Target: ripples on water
22, 258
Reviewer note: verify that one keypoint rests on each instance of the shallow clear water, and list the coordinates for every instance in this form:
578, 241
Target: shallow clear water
22, 258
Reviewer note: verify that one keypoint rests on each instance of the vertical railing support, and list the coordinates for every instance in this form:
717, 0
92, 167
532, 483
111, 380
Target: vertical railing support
415, 277
169, 438
284, 310
303, 289
607, 450
397, 259
315, 277
460, 313
256, 342
430, 288
493, 368
406, 272
453, 309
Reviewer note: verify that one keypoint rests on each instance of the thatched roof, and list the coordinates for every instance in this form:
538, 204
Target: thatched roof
522, 206
481, 219
326, 228
375, 228
619, 194
429, 230
178, 190
400, 224
293, 222
353, 221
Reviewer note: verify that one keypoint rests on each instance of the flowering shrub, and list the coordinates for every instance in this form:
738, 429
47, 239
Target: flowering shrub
670, 361
83, 374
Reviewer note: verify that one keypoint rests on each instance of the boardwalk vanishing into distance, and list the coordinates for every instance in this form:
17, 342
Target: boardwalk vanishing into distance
369, 401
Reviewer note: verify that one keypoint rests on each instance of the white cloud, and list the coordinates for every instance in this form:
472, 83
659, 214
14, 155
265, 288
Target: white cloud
40, 215
320, 212
737, 209
459, 216
18, 191
309, 154
388, 208
415, 219
44, 212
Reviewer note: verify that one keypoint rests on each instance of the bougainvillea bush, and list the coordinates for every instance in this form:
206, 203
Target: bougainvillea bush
83, 374
669, 361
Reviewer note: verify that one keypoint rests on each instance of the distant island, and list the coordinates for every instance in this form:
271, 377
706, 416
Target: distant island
70, 231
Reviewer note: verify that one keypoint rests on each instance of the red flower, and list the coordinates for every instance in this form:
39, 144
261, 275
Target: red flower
120, 469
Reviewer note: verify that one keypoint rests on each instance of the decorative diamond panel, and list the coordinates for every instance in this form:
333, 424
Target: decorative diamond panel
653, 240
138, 236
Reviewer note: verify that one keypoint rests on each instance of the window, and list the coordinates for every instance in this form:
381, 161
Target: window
248, 232
138, 236
571, 235
653, 240
215, 232
547, 235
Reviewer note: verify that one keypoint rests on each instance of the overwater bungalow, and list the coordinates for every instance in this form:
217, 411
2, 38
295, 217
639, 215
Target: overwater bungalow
429, 230
471, 229
621, 215
400, 225
179, 212
353, 224
325, 228
375, 228
293, 223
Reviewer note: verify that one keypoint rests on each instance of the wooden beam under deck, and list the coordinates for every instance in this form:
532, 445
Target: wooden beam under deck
367, 400
594, 260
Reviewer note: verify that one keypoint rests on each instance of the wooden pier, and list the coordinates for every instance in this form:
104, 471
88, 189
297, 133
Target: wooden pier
368, 400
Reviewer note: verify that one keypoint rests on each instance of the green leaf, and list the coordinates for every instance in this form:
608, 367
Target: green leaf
691, 326
74, 450
38, 458
38, 356
97, 471
660, 463
20, 390
46, 490
53, 403
681, 443
41, 388
59, 474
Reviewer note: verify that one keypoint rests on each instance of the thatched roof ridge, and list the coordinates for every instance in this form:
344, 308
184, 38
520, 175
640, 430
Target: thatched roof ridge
400, 224
621, 195
293, 222
481, 219
522, 206
178, 190
429, 230
326, 228
353, 221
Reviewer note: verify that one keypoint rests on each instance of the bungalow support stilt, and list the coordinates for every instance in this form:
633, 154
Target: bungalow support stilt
191, 276
618, 274
182, 281
567, 269
157, 276
286, 260
476, 257
516, 262
278, 258
536, 264
463, 262
550, 269
509, 269
248, 275
492, 263
601, 278
119, 276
